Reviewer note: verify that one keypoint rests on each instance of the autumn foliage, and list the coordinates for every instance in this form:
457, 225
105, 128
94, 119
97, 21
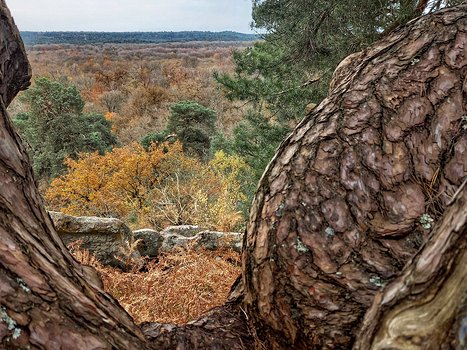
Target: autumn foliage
134, 88
139, 83
158, 187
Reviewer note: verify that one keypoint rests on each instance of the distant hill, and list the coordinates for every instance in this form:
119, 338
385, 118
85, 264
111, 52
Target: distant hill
39, 38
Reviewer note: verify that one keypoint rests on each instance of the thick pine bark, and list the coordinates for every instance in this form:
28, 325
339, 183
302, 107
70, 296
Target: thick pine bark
426, 307
336, 218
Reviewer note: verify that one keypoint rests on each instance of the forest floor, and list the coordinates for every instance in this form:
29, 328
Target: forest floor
176, 288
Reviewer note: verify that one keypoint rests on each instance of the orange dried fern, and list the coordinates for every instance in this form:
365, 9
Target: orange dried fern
177, 288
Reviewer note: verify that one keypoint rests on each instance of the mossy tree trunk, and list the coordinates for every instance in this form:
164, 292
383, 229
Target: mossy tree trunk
335, 221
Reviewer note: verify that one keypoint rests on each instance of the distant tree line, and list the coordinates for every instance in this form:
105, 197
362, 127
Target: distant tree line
77, 38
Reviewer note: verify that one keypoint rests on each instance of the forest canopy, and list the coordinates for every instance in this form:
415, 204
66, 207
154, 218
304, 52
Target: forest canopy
80, 38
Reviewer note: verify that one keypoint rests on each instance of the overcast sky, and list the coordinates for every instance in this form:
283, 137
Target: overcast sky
131, 15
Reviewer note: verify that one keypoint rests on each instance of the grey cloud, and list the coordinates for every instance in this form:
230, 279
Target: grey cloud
132, 15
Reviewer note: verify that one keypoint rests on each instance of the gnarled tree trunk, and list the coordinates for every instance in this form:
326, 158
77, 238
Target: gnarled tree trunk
426, 306
337, 214
335, 220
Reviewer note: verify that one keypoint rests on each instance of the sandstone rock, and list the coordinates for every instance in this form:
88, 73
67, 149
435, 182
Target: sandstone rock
209, 240
107, 238
172, 241
212, 240
150, 241
182, 230
110, 239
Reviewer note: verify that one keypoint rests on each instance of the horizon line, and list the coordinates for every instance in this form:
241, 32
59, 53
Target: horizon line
135, 31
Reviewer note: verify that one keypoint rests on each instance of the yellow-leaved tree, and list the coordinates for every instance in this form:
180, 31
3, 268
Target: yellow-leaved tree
158, 187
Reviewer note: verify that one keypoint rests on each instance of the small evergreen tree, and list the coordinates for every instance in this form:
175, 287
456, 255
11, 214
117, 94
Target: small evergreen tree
194, 125
55, 127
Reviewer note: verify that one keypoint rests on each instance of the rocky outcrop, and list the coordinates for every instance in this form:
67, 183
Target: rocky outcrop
107, 238
195, 237
209, 240
149, 242
182, 230
212, 240
110, 239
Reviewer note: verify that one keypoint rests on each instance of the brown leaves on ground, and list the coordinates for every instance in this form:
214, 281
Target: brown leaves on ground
177, 288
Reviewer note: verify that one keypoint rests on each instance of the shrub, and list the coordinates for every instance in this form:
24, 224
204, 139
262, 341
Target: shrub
194, 125
159, 187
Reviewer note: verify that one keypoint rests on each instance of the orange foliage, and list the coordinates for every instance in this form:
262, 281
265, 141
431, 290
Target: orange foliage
145, 80
159, 187
109, 115
146, 99
94, 93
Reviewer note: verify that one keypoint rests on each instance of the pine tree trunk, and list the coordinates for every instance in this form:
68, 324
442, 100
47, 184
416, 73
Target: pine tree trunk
335, 220
426, 307
337, 215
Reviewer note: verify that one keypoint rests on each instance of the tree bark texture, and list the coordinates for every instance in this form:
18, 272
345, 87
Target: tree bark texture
426, 307
15, 72
335, 220
338, 212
